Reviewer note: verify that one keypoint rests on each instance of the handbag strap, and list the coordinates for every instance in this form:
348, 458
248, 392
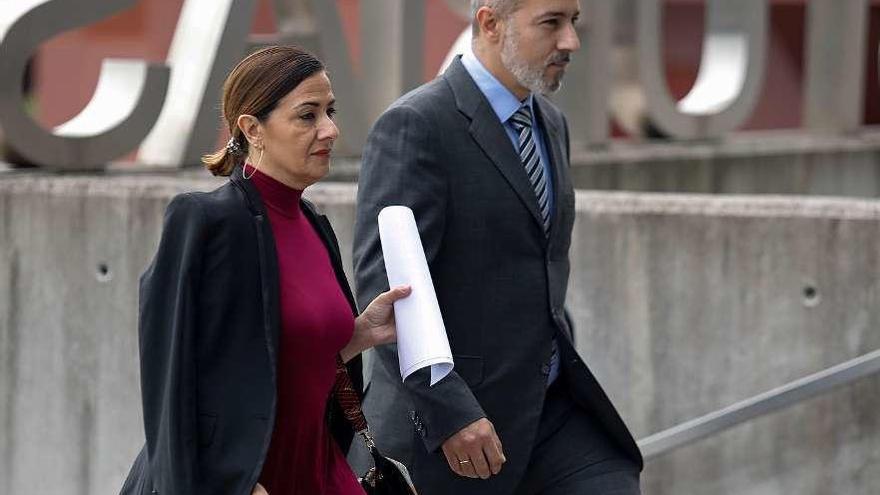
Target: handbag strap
348, 400
383, 467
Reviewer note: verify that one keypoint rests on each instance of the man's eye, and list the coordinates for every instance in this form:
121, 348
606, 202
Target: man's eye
307, 116
331, 112
552, 22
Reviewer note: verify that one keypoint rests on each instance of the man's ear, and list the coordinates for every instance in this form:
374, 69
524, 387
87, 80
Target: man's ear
251, 128
489, 23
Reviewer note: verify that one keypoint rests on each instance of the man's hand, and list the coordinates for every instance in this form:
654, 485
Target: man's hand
475, 451
259, 490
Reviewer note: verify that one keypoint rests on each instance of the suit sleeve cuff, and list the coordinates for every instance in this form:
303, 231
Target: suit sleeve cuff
443, 410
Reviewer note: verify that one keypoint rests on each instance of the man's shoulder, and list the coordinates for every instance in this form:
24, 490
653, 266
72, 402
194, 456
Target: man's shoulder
433, 96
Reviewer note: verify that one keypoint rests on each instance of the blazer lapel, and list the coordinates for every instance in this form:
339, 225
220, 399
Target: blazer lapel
270, 285
489, 134
325, 232
559, 165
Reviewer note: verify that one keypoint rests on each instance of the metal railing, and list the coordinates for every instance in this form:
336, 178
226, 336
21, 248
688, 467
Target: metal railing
760, 405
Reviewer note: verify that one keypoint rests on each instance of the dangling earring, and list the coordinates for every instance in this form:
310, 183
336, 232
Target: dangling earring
259, 161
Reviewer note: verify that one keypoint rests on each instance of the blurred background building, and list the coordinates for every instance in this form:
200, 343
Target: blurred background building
67, 67
724, 289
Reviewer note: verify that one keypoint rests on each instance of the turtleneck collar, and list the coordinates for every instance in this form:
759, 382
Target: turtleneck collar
276, 195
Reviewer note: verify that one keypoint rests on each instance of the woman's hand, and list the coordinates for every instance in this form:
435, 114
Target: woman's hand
375, 326
259, 490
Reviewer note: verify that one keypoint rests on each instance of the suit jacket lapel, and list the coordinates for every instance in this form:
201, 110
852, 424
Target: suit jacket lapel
559, 165
488, 132
490, 135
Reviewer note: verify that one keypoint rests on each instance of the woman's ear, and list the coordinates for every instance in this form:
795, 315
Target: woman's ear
251, 129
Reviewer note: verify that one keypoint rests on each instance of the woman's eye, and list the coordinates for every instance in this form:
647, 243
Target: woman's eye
307, 116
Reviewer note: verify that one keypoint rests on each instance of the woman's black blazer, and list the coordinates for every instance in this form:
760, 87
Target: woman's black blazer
209, 326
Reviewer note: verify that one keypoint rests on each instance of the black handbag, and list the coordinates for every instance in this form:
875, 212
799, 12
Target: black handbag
387, 476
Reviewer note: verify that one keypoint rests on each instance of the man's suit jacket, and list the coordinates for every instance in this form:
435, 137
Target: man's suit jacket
500, 282
209, 325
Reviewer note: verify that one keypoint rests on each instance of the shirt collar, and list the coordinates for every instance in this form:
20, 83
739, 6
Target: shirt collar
502, 101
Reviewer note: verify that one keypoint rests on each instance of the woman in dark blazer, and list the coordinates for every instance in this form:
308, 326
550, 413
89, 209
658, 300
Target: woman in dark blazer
245, 307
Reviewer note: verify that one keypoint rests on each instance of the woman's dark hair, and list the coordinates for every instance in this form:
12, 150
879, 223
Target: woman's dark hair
254, 87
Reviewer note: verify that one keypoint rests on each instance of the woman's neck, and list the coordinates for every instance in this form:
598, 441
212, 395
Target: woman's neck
275, 194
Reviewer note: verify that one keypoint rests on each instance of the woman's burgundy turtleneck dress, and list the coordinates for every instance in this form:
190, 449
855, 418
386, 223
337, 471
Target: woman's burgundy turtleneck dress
316, 323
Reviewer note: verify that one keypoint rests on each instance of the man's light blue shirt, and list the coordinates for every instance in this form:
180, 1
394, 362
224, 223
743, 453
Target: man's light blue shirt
505, 104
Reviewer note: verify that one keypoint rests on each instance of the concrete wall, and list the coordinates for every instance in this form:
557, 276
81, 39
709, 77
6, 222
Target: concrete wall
683, 305
760, 163
773, 162
688, 304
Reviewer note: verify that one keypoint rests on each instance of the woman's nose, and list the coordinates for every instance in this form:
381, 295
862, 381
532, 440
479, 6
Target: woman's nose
328, 131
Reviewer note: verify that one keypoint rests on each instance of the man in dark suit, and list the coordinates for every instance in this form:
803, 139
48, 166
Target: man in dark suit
481, 157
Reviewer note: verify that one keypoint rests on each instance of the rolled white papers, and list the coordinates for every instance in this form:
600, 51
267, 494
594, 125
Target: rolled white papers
421, 335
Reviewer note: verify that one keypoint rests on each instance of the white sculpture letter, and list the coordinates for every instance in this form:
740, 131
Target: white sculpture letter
122, 110
731, 72
210, 38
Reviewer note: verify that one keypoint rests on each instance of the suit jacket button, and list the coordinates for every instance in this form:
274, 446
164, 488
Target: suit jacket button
545, 369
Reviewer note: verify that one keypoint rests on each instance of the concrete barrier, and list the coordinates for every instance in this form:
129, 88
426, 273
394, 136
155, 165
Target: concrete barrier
776, 162
766, 162
683, 305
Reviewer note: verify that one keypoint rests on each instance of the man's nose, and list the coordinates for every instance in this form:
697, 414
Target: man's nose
569, 40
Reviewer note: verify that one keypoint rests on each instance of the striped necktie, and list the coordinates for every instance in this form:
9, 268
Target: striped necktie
531, 159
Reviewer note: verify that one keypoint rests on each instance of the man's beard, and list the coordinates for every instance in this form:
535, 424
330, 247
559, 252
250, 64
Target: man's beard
530, 77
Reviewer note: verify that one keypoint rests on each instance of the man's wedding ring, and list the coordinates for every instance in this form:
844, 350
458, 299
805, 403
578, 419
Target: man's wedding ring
465, 462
